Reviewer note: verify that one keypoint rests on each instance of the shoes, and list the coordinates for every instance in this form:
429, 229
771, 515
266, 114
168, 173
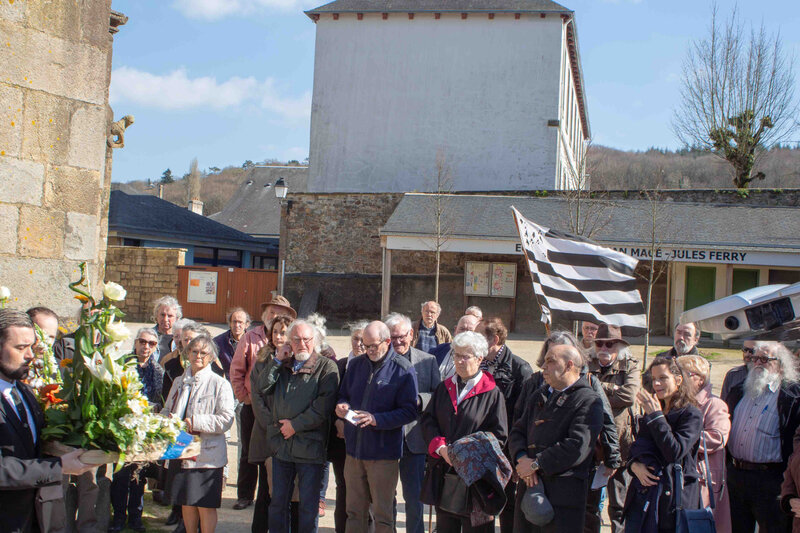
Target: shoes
174, 518
136, 525
159, 497
321, 508
116, 525
242, 503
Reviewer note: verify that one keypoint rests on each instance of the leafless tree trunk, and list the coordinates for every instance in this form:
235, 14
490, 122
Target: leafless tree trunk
738, 95
193, 183
587, 211
440, 212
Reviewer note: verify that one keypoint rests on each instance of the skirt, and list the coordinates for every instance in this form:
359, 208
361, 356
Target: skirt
196, 487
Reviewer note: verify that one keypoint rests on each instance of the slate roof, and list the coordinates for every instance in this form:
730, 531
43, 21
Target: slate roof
683, 224
149, 217
254, 209
440, 6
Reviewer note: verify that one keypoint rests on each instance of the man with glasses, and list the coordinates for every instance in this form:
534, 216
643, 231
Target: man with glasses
738, 374
765, 413
378, 397
412, 464
618, 372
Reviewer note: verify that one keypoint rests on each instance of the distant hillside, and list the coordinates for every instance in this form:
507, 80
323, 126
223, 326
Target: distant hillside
609, 169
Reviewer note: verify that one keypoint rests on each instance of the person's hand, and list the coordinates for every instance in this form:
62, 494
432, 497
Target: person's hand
284, 353
531, 480
339, 425
645, 475
286, 428
364, 419
794, 503
188, 422
526, 472
649, 402
71, 464
341, 409
444, 454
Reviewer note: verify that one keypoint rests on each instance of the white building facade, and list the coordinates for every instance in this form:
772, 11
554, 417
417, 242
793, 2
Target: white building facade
492, 88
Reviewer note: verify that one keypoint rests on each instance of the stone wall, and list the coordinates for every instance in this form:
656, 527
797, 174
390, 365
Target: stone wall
146, 273
55, 59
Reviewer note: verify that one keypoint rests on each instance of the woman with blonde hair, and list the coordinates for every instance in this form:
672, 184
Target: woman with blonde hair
716, 427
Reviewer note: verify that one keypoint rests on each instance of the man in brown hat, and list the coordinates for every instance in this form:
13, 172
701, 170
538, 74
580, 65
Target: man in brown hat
618, 371
241, 365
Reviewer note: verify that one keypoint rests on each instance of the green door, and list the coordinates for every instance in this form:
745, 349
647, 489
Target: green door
743, 279
700, 286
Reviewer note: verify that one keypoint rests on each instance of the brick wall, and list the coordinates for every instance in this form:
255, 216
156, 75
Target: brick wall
146, 273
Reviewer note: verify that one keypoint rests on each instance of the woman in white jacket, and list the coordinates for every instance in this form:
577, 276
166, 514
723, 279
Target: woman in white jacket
205, 402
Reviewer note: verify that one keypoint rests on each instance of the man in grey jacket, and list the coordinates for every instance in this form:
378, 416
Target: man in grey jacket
412, 464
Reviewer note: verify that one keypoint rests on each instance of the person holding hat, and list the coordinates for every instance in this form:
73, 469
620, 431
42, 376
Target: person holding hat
241, 365
618, 372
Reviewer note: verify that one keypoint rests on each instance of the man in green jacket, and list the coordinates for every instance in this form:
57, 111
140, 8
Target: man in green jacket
300, 388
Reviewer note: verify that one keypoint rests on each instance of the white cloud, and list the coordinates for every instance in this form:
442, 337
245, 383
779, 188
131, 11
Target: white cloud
217, 9
176, 91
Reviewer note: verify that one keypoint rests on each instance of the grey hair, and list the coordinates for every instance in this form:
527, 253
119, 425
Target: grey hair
396, 319
785, 357
205, 338
474, 310
474, 342
10, 318
557, 338
230, 313
178, 325
319, 338
358, 325
169, 301
317, 322
436, 304
146, 331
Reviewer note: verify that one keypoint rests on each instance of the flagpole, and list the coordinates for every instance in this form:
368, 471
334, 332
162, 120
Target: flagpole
535, 296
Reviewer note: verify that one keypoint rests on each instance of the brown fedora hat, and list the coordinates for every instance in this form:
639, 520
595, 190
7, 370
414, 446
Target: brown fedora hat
279, 301
607, 332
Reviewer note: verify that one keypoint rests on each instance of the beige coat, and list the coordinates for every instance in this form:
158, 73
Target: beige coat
210, 410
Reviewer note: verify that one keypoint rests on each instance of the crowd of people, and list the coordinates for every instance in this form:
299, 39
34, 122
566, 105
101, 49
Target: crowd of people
457, 422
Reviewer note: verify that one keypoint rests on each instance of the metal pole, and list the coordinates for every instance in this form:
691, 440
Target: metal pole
280, 276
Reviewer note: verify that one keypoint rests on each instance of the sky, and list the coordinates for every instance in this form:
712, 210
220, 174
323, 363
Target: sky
230, 80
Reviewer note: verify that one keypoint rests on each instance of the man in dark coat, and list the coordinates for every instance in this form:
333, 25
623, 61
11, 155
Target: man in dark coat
686, 337
238, 322
24, 474
554, 441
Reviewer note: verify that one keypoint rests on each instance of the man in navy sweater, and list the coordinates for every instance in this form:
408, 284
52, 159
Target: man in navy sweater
378, 397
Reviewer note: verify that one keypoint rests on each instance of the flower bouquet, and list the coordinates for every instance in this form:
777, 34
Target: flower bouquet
99, 405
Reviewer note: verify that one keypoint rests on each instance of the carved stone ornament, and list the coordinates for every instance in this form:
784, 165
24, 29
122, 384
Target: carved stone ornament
116, 137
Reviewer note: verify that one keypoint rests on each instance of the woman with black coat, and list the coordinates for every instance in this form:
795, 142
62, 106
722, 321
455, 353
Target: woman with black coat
669, 434
464, 404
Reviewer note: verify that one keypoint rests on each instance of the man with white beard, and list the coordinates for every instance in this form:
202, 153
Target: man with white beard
765, 412
685, 341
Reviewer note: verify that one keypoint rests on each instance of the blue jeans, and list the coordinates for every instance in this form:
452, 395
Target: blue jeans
412, 470
310, 481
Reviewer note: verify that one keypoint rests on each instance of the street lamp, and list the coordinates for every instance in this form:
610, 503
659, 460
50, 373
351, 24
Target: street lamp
280, 188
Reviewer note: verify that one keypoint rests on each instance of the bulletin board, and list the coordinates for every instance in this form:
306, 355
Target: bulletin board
202, 287
476, 278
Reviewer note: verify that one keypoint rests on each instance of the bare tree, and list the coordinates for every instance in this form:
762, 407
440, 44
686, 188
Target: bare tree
440, 212
738, 95
193, 182
587, 211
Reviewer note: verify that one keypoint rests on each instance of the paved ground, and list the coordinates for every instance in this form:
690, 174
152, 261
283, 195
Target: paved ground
231, 521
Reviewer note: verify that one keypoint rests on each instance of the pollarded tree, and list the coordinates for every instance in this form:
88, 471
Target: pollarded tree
738, 95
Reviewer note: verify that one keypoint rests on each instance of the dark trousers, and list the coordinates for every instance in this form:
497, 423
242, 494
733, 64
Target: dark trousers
126, 494
754, 499
412, 470
571, 494
309, 478
340, 512
507, 514
248, 472
451, 523
593, 521
261, 508
616, 490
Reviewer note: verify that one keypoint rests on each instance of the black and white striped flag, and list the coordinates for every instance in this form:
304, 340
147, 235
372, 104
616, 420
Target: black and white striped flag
581, 280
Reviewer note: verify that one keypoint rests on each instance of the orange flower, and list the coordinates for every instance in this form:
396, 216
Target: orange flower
65, 362
82, 298
47, 392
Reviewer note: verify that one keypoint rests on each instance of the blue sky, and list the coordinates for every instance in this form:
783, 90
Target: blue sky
230, 80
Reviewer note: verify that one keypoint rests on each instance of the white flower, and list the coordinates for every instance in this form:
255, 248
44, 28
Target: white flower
114, 291
96, 368
5, 294
117, 331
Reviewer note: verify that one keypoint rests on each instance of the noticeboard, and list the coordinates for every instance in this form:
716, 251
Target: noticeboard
476, 278
202, 287
504, 280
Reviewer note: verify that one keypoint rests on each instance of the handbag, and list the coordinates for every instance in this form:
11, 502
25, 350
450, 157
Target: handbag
693, 520
454, 497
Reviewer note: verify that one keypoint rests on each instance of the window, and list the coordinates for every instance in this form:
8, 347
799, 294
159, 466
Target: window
204, 256
229, 258
266, 262
783, 276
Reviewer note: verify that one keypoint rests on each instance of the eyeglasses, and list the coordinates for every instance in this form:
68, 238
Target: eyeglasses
304, 340
370, 347
400, 337
763, 359
459, 357
607, 344
151, 344
751, 351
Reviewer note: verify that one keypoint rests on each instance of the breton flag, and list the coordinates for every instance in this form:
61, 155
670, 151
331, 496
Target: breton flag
580, 280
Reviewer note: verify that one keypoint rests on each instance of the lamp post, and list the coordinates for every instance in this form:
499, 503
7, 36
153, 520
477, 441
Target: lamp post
281, 188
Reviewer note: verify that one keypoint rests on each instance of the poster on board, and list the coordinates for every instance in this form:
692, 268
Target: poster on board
476, 278
504, 280
202, 287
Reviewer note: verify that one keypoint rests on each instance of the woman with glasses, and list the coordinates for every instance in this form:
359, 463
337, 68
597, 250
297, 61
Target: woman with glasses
464, 404
126, 489
668, 435
716, 427
204, 401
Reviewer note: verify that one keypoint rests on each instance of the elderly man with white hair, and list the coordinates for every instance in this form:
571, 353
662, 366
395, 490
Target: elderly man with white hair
765, 413
428, 333
166, 312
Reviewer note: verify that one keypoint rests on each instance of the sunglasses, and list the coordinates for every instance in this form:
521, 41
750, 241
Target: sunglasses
607, 344
151, 344
763, 359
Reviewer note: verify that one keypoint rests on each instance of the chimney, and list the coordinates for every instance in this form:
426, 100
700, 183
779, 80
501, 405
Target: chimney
196, 206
